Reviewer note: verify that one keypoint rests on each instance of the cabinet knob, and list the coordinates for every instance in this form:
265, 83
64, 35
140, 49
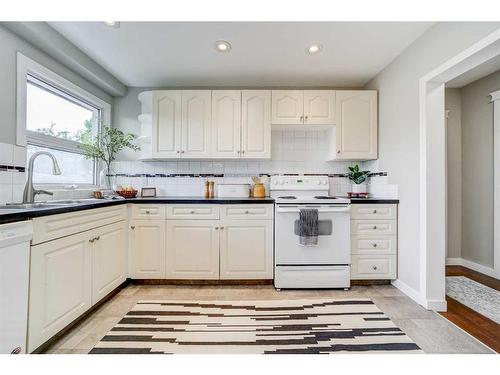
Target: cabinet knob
98, 238
148, 212
374, 227
216, 228
374, 211
374, 268
221, 228
247, 212
338, 151
178, 151
302, 118
92, 240
132, 227
307, 117
374, 245
193, 211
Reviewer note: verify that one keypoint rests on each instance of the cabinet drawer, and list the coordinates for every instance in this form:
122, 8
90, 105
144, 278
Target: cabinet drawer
148, 211
247, 211
374, 211
192, 212
48, 228
373, 267
373, 244
373, 227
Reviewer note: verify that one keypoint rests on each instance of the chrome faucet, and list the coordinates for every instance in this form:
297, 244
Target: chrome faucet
29, 190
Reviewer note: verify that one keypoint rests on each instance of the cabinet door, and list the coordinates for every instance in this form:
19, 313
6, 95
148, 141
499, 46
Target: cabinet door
356, 113
166, 132
256, 124
287, 107
60, 285
109, 259
226, 120
319, 107
148, 249
246, 249
196, 110
192, 249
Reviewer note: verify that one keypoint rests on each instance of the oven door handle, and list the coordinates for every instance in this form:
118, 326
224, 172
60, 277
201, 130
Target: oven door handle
291, 209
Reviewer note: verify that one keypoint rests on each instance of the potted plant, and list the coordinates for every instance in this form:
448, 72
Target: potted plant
358, 179
103, 147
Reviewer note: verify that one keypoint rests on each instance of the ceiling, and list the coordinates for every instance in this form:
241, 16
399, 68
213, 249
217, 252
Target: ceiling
168, 54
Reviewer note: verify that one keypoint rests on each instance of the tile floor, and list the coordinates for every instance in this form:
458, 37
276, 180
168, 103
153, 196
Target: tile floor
429, 330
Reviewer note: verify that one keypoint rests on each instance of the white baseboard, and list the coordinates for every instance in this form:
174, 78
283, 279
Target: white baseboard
436, 305
473, 266
409, 291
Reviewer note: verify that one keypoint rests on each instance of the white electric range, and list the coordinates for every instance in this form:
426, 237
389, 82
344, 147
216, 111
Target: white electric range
325, 265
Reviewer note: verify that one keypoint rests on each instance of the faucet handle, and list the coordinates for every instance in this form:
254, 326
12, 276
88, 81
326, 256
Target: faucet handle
44, 192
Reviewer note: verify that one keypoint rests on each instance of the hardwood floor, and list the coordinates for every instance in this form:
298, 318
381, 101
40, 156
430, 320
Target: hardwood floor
482, 328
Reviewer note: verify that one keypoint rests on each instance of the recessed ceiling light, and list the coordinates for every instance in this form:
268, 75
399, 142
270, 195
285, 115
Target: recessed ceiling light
222, 46
114, 24
314, 48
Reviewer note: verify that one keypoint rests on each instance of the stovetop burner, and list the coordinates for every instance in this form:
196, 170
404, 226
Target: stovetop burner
288, 197
324, 197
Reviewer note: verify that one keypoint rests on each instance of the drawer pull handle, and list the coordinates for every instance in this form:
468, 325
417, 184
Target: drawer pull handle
374, 227
374, 211
374, 268
374, 245
247, 212
193, 211
148, 212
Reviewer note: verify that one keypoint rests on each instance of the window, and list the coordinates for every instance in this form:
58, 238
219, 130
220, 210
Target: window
58, 122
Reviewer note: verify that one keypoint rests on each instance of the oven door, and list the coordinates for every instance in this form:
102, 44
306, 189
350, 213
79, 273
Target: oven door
333, 246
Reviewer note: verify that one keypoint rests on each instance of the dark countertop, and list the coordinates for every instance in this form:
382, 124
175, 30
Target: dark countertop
12, 215
374, 201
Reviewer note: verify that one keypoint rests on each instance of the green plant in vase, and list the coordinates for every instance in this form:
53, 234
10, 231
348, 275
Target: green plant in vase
105, 145
358, 179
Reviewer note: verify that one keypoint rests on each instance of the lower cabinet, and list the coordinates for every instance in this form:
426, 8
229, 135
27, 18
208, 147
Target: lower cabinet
70, 274
60, 286
192, 249
147, 239
109, 259
246, 249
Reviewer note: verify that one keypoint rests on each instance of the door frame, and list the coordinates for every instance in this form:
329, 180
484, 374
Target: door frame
495, 99
433, 168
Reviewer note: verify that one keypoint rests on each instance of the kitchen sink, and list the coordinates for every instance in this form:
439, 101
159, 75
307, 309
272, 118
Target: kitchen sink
48, 204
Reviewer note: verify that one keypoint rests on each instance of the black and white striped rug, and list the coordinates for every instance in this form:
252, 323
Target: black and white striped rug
267, 327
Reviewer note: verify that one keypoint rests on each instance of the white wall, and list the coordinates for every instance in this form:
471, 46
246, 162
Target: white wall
477, 169
454, 173
10, 44
398, 86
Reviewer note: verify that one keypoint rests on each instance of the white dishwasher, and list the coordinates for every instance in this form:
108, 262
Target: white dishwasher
14, 283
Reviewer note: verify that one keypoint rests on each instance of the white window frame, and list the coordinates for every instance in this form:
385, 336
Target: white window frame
27, 67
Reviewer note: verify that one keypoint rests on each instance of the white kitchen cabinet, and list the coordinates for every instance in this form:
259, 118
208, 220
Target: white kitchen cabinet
319, 107
192, 249
374, 241
287, 107
60, 285
246, 249
256, 124
167, 122
147, 239
109, 259
356, 125
226, 120
196, 124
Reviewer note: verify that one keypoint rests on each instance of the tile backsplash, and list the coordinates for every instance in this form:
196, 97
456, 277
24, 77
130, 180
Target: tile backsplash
293, 152
12, 172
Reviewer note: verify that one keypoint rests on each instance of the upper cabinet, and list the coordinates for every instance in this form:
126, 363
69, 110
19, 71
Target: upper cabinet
288, 107
235, 124
167, 117
256, 124
299, 107
196, 123
226, 119
356, 130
